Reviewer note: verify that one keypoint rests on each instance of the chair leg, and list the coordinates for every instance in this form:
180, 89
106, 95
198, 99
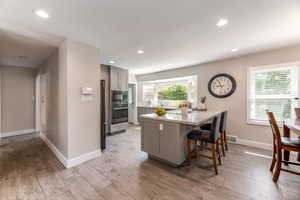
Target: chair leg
278, 166
218, 152
273, 160
214, 157
273, 164
286, 156
189, 147
223, 143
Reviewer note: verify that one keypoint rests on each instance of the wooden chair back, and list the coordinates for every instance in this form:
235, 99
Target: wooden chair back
274, 128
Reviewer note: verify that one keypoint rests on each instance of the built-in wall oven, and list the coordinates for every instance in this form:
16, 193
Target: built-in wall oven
119, 107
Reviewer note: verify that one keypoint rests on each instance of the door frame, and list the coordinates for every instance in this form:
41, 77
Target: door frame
38, 103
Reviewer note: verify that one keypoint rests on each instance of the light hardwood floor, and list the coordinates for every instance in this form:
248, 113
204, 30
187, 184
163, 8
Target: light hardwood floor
29, 170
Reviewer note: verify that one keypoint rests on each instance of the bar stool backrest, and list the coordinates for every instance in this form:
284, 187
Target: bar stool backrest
215, 126
223, 121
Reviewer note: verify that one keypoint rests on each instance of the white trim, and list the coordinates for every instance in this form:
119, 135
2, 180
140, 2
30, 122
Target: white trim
294, 65
15, 133
83, 158
71, 162
37, 102
56, 152
251, 143
256, 144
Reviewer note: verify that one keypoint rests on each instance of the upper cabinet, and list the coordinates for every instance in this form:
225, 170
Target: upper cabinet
118, 79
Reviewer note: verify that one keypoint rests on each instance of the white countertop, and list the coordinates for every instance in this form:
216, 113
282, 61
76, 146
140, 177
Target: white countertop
154, 107
193, 118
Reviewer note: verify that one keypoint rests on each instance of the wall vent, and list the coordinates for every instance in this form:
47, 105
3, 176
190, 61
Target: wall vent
232, 138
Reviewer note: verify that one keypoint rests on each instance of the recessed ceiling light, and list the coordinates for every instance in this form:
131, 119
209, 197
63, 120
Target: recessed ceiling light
222, 22
234, 50
140, 51
41, 13
111, 62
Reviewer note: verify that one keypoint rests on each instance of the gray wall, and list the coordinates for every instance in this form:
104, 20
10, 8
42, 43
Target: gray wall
83, 70
237, 103
53, 106
17, 98
70, 123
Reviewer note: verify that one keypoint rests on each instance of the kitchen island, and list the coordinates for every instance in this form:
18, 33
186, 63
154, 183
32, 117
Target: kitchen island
164, 137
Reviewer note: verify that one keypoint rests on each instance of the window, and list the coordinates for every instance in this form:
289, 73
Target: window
274, 88
170, 92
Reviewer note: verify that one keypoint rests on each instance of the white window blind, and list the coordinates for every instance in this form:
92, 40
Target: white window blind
273, 88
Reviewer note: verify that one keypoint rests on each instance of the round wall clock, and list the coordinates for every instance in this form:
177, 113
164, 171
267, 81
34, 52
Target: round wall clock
222, 85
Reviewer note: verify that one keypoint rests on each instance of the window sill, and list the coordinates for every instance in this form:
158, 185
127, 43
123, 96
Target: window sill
257, 123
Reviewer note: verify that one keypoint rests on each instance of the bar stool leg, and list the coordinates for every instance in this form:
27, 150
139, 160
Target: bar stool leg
214, 157
189, 147
223, 143
219, 153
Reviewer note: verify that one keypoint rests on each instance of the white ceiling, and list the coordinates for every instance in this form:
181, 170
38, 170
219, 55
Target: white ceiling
173, 33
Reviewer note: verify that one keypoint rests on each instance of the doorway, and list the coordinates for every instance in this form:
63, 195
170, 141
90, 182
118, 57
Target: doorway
132, 107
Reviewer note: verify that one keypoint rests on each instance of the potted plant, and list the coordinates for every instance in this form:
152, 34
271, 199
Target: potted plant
202, 104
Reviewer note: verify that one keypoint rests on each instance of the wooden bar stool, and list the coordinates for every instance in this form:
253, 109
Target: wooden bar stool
222, 129
280, 144
208, 136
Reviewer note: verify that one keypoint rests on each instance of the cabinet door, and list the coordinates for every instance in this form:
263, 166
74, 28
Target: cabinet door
125, 80
114, 76
150, 137
169, 139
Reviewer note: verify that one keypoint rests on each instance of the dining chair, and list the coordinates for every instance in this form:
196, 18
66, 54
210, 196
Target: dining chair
222, 129
280, 144
209, 136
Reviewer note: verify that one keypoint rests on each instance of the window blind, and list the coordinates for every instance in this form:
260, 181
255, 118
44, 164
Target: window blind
274, 89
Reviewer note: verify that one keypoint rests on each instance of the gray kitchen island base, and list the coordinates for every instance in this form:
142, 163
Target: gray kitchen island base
165, 137
165, 141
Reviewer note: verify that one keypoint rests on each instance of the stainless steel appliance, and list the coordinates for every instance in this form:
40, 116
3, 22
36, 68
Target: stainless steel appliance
119, 111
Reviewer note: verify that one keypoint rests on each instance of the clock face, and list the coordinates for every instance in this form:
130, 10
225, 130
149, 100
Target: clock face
222, 85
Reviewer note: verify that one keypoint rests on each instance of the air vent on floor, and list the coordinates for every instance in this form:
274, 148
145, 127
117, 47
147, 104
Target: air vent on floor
232, 138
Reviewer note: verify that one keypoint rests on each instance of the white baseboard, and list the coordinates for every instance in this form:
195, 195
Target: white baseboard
15, 133
56, 152
252, 143
83, 158
68, 163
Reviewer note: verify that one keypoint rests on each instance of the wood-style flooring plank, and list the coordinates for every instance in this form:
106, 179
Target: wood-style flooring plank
29, 170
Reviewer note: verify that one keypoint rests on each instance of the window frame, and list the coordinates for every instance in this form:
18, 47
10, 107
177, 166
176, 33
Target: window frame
269, 68
160, 81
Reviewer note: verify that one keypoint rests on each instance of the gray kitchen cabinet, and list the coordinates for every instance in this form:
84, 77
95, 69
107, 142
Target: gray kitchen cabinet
168, 141
118, 79
150, 138
164, 140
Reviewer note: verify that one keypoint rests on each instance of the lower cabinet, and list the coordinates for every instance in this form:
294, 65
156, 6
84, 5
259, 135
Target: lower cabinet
163, 140
150, 137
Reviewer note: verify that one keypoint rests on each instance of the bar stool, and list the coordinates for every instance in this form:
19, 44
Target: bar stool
209, 136
223, 136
